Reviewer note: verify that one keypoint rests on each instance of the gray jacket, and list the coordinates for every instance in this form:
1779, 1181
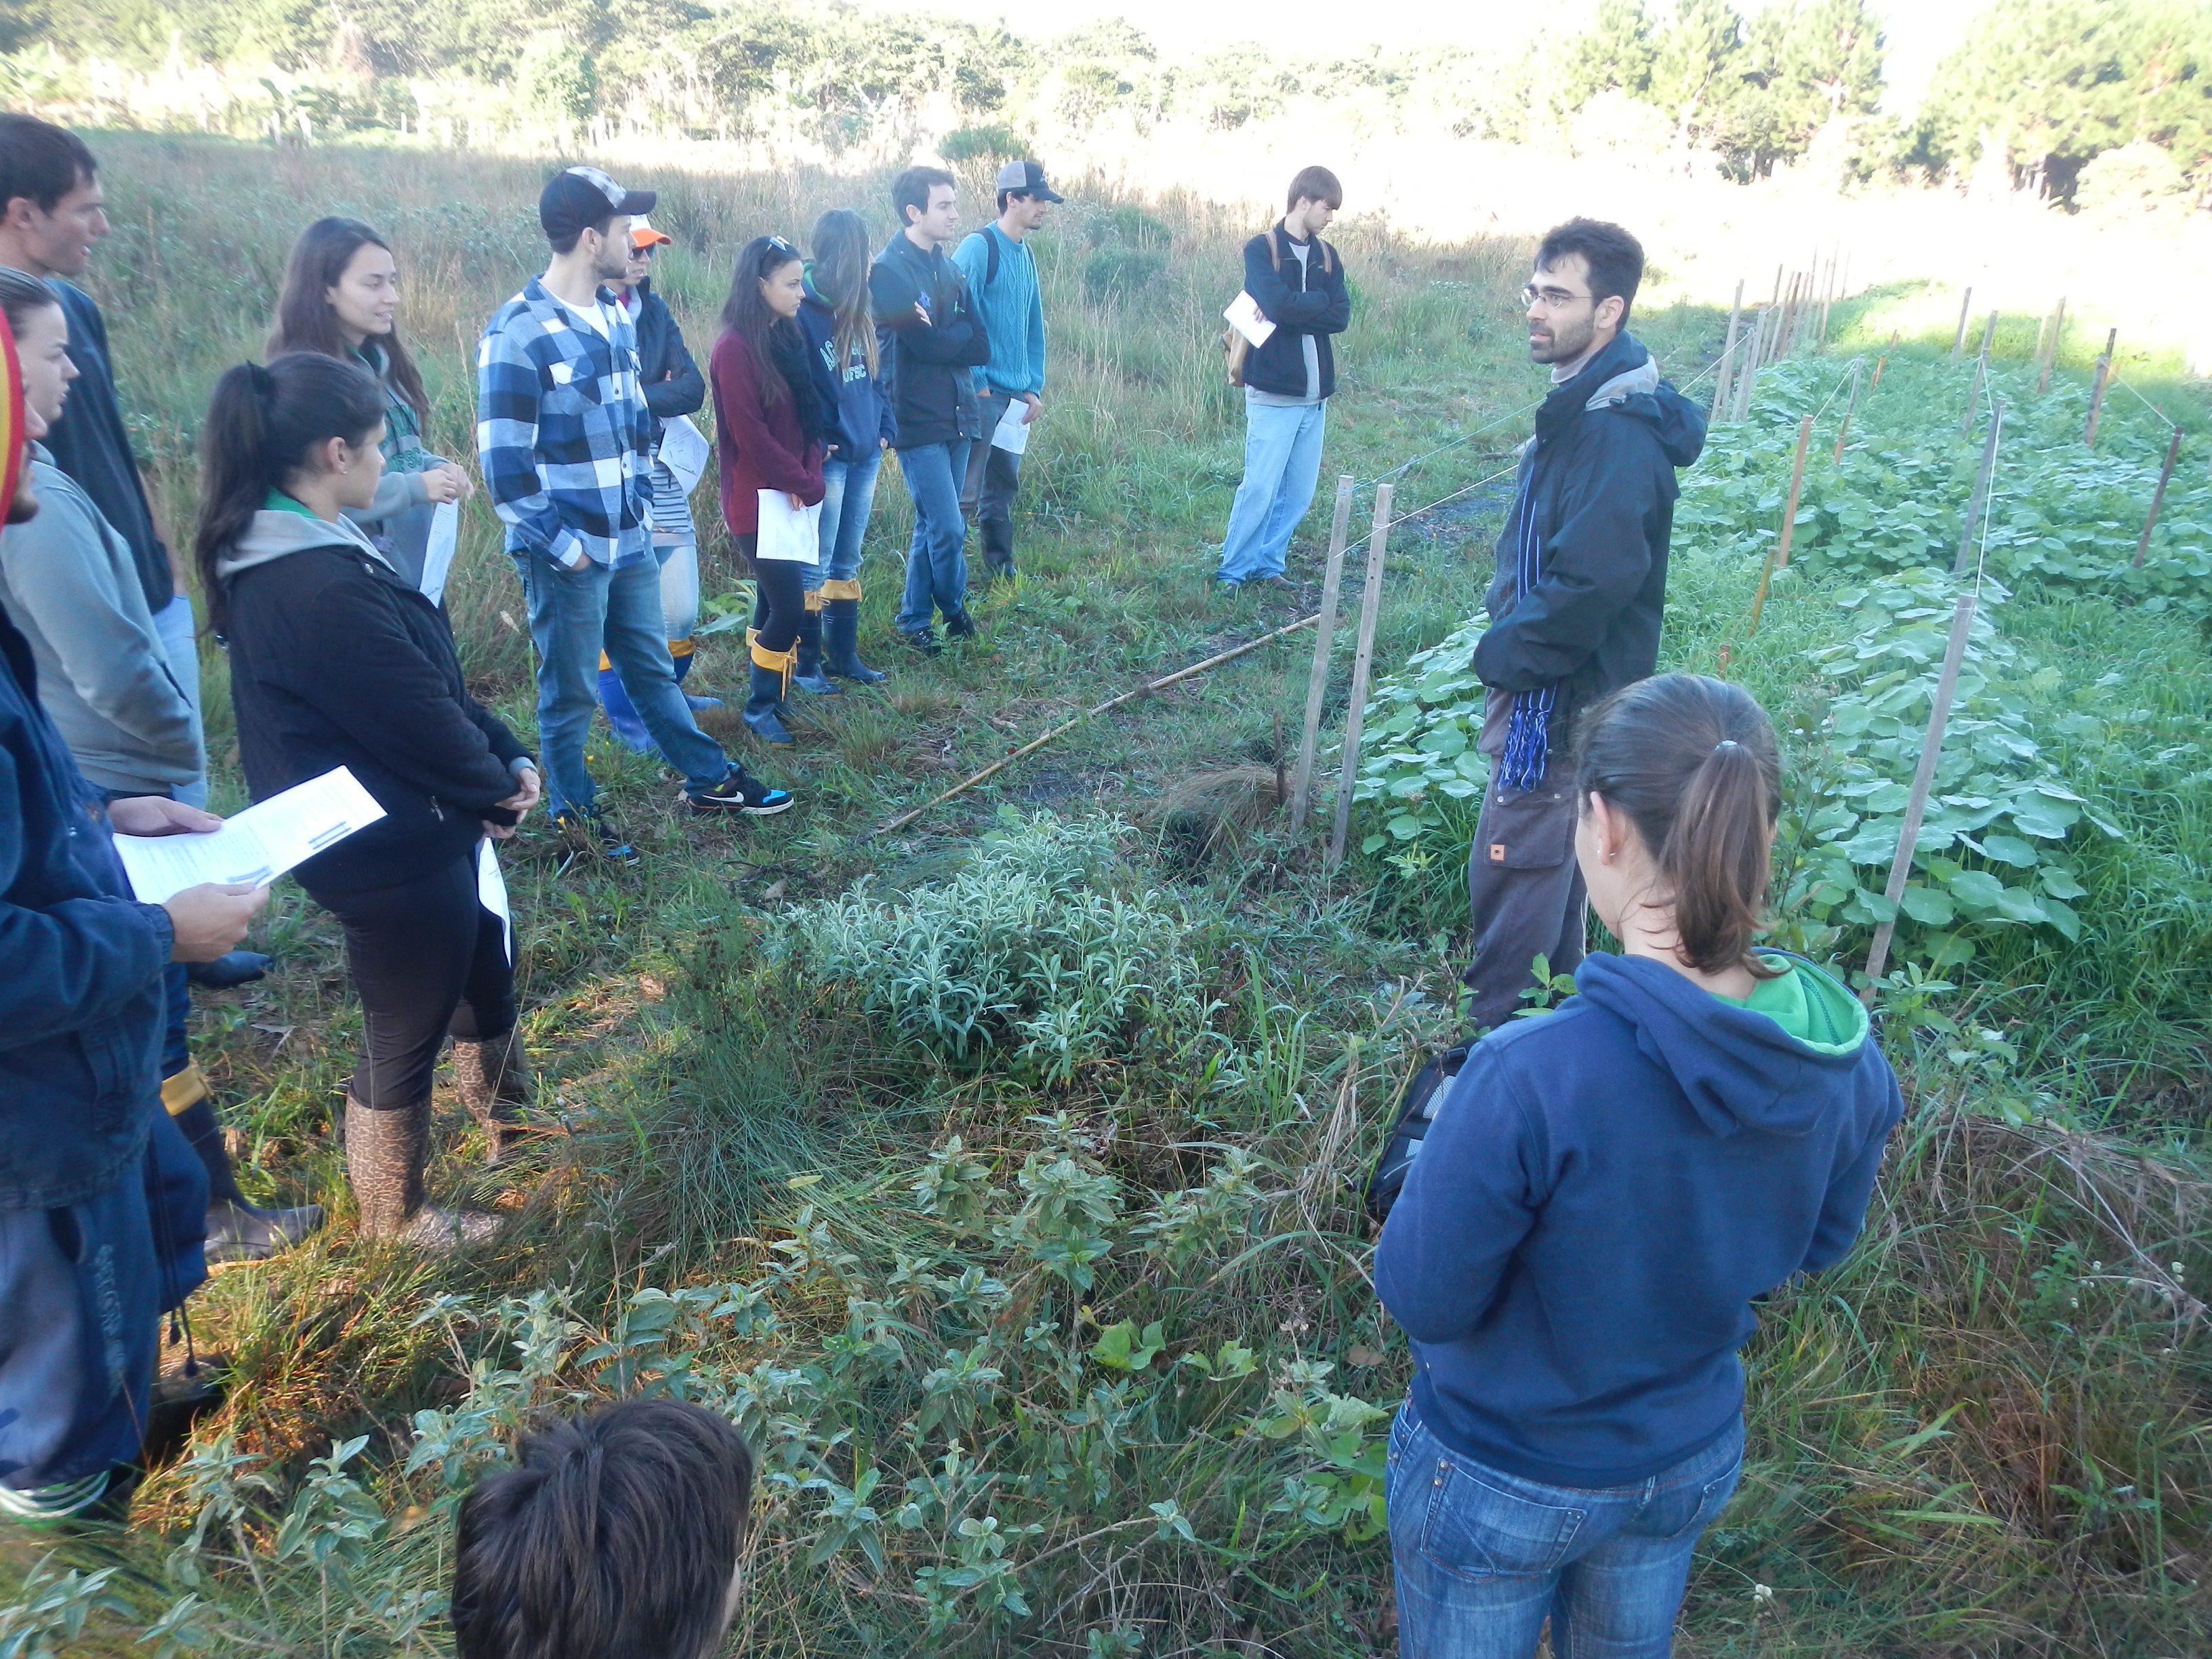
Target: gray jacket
72, 584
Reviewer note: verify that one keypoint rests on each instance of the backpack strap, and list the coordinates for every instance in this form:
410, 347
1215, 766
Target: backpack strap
991, 269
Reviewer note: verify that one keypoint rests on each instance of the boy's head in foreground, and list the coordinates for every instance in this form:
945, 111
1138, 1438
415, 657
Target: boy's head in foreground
617, 1537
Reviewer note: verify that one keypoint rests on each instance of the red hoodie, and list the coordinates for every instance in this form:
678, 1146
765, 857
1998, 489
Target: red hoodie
760, 448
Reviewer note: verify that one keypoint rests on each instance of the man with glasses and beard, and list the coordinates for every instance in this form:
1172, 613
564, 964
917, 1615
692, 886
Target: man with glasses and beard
1575, 604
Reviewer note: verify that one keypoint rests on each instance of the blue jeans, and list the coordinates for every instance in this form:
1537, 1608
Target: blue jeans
1482, 1558
575, 614
848, 495
173, 622
1282, 461
936, 570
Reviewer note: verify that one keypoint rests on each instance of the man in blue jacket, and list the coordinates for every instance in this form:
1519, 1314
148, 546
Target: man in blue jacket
1297, 280
1576, 601
1002, 276
102, 1201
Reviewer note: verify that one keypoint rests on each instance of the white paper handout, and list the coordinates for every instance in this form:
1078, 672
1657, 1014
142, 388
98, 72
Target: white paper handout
438, 556
790, 533
1012, 432
255, 847
491, 890
683, 451
1243, 315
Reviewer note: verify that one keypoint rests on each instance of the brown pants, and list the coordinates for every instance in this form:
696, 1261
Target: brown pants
1525, 892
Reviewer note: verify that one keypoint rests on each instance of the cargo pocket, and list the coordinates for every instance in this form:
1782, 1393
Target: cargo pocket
1527, 828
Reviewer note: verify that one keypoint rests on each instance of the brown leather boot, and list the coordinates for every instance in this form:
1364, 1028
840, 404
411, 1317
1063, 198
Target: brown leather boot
386, 1152
494, 1080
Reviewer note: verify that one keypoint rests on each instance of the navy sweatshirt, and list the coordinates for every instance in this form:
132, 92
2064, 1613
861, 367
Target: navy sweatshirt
1606, 1189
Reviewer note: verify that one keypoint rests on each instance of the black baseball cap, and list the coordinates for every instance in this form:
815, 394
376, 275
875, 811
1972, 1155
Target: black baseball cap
580, 197
1027, 178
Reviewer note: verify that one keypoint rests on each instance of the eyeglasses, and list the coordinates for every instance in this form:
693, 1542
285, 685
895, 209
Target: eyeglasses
1552, 299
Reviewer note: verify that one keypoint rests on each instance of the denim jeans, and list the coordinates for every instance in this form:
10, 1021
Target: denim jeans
1482, 1558
1282, 461
679, 587
848, 495
936, 570
575, 614
173, 622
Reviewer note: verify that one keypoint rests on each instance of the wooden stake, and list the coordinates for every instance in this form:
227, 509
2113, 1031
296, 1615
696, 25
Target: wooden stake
1850, 407
1068, 726
1989, 335
2158, 497
1878, 363
1725, 376
2097, 389
1317, 687
2050, 351
1370, 611
1981, 495
1924, 775
1778, 556
1747, 387
1959, 340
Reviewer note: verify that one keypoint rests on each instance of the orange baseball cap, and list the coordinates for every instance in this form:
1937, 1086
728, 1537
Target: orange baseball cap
643, 236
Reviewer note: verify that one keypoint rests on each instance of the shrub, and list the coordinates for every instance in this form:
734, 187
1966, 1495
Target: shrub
987, 143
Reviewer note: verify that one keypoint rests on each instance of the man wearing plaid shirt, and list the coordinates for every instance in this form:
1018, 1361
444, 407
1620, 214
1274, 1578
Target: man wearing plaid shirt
561, 432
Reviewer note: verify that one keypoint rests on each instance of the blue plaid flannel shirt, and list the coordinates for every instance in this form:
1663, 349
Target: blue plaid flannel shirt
561, 432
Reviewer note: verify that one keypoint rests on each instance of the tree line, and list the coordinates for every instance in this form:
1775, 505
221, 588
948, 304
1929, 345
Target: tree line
2048, 85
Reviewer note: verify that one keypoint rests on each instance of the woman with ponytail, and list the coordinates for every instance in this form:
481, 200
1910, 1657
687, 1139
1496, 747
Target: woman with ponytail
337, 660
841, 330
773, 427
1605, 1192
341, 298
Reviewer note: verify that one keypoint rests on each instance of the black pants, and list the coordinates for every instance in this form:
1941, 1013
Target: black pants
779, 597
428, 961
1525, 891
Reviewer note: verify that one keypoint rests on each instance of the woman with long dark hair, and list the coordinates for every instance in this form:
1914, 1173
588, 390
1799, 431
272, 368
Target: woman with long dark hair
337, 660
772, 426
842, 331
1604, 1195
341, 299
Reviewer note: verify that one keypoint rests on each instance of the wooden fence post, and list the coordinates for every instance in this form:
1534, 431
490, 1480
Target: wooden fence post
1317, 688
2050, 351
1989, 335
2097, 389
1747, 379
2158, 497
1924, 775
1959, 340
1778, 557
1724, 376
1371, 608
1981, 495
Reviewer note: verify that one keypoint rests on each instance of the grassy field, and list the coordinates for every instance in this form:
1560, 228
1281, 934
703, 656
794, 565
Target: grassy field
994, 1172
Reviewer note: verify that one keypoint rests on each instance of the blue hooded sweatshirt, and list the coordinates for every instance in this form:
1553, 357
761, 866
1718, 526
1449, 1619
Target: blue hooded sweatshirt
1606, 1190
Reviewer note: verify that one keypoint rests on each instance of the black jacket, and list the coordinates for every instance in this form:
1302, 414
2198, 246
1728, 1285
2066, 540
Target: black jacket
337, 661
661, 353
1598, 477
92, 445
926, 365
1301, 301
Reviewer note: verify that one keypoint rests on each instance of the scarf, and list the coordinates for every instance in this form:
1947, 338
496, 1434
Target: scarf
787, 348
1529, 726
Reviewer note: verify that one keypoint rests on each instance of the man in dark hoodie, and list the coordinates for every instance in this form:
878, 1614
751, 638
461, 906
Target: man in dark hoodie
1576, 601
932, 339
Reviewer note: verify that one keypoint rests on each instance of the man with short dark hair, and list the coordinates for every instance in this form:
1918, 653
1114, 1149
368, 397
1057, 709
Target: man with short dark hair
1002, 276
1576, 601
563, 433
931, 340
52, 213
1297, 281
614, 1536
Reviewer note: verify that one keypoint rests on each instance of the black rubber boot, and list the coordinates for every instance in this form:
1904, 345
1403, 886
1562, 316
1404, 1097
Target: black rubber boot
840, 643
764, 707
238, 1231
808, 676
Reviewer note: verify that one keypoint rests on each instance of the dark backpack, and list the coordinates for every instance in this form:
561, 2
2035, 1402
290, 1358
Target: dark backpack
1416, 1110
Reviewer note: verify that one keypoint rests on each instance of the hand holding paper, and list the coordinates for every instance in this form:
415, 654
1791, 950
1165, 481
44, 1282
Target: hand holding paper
793, 534
438, 555
1243, 315
255, 846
